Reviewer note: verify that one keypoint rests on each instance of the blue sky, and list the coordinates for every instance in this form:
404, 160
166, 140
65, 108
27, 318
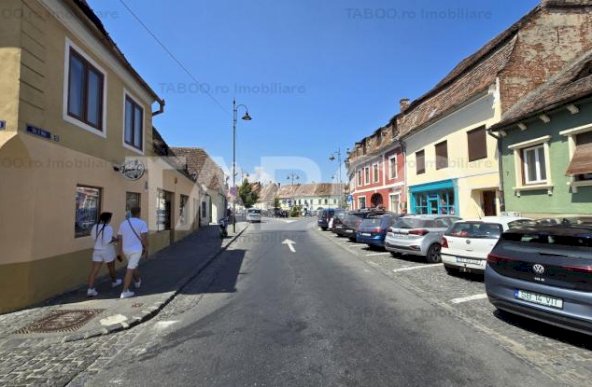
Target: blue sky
315, 75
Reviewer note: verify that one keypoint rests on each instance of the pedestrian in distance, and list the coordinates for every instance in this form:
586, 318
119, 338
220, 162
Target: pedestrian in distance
103, 252
133, 244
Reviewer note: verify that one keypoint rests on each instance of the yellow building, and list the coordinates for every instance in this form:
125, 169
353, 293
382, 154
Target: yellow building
76, 138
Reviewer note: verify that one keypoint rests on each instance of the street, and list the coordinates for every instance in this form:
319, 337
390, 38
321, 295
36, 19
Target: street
333, 313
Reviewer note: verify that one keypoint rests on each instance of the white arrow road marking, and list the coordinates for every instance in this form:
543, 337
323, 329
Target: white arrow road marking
459, 300
290, 244
417, 267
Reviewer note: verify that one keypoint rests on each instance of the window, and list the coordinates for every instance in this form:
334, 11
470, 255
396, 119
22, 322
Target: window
132, 199
359, 178
393, 167
362, 203
580, 165
442, 155
163, 210
395, 200
88, 207
420, 162
477, 144
85, 91
375, 173
134, 124
533, 165
183, 209
326, 201
366, 175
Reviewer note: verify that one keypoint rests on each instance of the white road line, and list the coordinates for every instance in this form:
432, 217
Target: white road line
459, 300
416, 267
377, 254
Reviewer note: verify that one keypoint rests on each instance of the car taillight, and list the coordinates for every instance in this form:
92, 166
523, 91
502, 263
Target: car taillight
444, 242
579, 269
493, 258
418, 231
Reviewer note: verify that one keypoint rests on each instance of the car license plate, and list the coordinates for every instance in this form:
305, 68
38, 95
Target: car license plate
339, 226
365, 234
349, 231
540, 299
471, 261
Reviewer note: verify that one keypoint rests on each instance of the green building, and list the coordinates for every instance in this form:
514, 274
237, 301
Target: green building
546, 147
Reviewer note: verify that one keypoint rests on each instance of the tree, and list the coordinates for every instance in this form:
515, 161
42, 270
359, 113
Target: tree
246, 194
276, 202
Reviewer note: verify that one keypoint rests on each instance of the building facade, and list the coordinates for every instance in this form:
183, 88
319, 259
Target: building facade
376, 169
547, 147
311, 196
76, 139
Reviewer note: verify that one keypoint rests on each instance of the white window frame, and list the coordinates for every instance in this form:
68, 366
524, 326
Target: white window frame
396, 169
375, 173
571, 141
65, 116
360, 200
127, 94
366, 175
519, 167
391, 196
537, 149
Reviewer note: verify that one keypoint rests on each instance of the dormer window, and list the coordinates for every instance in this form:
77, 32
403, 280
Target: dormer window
586, 71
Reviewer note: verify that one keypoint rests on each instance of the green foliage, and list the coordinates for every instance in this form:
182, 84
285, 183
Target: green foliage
295, 211
246, 194
276, 202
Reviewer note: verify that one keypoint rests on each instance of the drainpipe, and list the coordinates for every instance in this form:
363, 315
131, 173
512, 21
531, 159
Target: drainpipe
500, 169
160, 110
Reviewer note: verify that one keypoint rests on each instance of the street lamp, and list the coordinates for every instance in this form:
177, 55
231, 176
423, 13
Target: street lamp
293, 176
246, 117
332, 158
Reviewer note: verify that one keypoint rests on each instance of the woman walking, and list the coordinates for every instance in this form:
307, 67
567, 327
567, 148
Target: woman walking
103, 251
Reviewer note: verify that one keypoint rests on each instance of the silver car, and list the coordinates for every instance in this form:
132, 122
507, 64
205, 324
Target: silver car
418, 235
253, 215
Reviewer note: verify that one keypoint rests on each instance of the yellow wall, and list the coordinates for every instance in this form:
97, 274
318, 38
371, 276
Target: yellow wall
40, 254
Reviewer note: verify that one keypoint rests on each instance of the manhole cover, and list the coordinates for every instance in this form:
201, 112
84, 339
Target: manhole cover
61, 321
137, 305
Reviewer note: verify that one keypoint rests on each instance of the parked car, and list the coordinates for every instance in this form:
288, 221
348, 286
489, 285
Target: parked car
254, 215
338, 217
466, 244
350, 224
324, 216
373, 229
418, 235
544, 273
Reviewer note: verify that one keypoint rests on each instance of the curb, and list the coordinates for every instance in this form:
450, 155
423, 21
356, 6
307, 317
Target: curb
151, 311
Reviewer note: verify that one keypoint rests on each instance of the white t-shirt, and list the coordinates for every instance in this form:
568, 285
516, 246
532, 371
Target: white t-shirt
103, 239
131, 242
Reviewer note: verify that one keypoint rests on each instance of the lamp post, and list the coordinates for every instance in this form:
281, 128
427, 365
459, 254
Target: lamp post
246, 117
293, 176
332, 158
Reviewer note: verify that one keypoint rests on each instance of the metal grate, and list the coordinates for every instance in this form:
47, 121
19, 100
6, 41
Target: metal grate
61, 321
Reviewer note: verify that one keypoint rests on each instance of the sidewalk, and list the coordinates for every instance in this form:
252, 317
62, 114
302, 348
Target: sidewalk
73, 316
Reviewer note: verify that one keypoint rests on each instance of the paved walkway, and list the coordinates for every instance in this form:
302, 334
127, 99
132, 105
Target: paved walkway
77, 317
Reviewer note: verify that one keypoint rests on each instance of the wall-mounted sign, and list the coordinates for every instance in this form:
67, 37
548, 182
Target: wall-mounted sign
2, 125
46, 134
132, 169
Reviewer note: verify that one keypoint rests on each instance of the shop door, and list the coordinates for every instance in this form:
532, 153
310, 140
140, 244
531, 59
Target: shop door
489, 203
433, 204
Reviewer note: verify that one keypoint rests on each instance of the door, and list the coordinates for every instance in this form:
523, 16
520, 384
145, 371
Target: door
433, 204
489, 208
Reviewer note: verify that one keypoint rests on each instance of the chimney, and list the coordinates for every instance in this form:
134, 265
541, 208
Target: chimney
404, 104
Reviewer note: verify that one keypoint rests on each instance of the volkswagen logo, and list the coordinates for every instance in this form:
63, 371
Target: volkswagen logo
538, 269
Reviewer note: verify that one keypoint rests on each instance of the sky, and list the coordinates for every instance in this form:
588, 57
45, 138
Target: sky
316, 76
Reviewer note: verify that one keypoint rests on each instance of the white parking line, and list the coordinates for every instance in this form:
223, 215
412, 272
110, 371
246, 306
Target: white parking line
377, 254
459, 300
416, 267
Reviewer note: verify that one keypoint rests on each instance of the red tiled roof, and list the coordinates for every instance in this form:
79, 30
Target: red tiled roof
310, 190
201, 165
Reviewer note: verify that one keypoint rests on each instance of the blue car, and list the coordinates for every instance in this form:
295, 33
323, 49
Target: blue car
324, 216
373, 229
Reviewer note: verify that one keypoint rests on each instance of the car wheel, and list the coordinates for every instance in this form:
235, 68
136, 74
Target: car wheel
395, 255
324, 228
433, 255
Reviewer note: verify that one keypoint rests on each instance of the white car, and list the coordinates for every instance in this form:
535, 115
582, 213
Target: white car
467, 243
254, 215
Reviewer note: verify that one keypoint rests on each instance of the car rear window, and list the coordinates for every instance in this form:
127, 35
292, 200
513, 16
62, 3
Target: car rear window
254, 211
414, 223
549, 239
476, 230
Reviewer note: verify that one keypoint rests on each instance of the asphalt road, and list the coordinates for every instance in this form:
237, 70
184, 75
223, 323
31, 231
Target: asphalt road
263, 315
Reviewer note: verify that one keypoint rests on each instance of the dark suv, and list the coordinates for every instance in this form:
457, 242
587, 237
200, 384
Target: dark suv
324, 216
544, 273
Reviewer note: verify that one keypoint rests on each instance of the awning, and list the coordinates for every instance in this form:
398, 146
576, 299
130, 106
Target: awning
581, 162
